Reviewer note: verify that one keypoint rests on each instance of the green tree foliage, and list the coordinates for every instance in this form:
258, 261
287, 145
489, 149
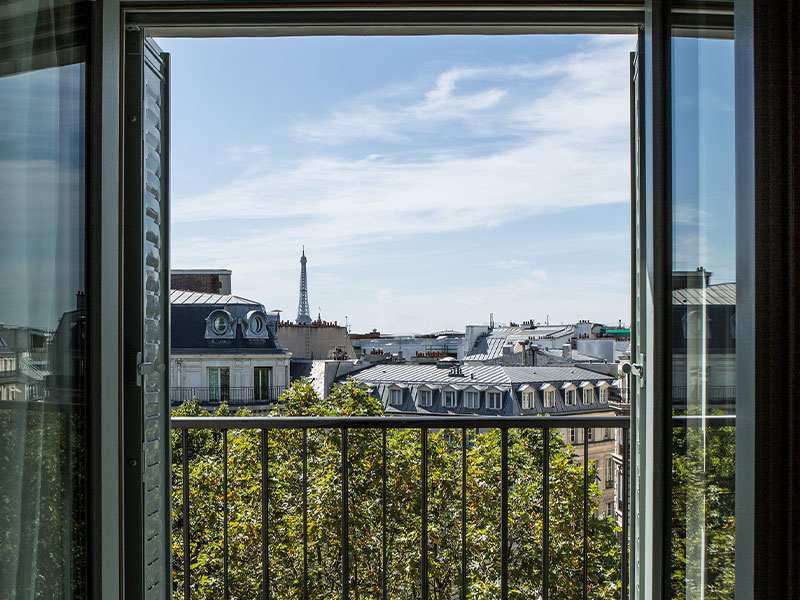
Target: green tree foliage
703, 512
403, 527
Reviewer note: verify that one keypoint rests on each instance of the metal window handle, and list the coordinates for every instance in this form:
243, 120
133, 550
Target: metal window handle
143, 368
635, 369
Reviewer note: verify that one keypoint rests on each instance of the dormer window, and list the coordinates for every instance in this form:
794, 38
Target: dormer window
494, 400
425, 398
220, 325
527, 392
527, 400
472, 399
449, 399
569, 397
602, 393
255, 325
588, 394
548, 395
395, 397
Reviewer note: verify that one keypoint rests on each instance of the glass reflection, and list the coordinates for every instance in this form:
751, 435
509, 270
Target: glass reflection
42, 307
703, 318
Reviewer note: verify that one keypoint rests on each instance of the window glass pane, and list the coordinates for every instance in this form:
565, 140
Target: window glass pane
43, 398
703, 318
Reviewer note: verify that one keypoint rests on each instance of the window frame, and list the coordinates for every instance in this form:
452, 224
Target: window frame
206, 18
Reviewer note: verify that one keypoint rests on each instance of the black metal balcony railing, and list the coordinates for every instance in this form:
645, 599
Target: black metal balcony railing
233, 396
714, 393
468, 427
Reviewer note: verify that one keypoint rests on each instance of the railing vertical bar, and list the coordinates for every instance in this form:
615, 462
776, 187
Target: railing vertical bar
585, 513
383, 518
546, 514
225, 591
265, 514
625, 491
464, 513
424, 477
186, 548
345, 521
504, 513
305, 514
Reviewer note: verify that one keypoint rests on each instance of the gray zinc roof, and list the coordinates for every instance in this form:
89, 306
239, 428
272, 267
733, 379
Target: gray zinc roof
185, 297
475, 375
717, 294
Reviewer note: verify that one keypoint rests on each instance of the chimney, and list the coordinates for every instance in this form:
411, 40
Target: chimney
566, 350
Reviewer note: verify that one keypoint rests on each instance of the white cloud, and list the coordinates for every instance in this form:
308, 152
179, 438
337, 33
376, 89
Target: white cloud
467, 154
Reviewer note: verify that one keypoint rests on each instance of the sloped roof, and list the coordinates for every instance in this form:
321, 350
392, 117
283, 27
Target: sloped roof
717, 294
185, 297
475, 375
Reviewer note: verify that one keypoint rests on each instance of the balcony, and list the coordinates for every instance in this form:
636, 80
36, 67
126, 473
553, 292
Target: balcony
232, 396
402, 507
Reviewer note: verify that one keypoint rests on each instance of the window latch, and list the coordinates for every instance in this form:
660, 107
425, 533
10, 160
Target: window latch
635, 369
143, 368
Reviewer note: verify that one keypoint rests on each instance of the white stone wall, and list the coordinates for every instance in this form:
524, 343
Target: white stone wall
191, 370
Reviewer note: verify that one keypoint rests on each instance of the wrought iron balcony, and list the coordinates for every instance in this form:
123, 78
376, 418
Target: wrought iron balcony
272, 522
232, 396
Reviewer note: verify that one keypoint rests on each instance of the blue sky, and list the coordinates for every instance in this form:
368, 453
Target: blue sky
433, 180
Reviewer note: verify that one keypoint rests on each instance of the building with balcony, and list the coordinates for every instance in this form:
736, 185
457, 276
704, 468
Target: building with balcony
225, 349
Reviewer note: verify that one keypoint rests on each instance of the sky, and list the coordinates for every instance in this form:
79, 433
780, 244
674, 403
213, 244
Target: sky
433, 180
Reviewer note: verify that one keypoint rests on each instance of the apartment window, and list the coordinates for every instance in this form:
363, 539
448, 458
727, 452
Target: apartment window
569, 398
588, 396
607, 434
573, 436
472, 400
493, 400
610, 510
609, 473
262, 382
219, 384
449, 399
590, 435
549, 398
425, 398
396, 397
603, 395
527, 400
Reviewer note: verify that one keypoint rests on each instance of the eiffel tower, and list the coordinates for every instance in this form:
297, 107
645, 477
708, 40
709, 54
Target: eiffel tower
303, 318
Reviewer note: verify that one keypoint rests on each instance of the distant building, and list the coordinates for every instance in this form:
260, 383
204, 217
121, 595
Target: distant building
225, 349
208, 281
319, 340
703, 324
24, 367
584, 343
434, 345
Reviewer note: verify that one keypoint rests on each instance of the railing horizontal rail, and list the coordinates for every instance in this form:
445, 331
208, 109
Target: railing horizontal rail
404, 422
